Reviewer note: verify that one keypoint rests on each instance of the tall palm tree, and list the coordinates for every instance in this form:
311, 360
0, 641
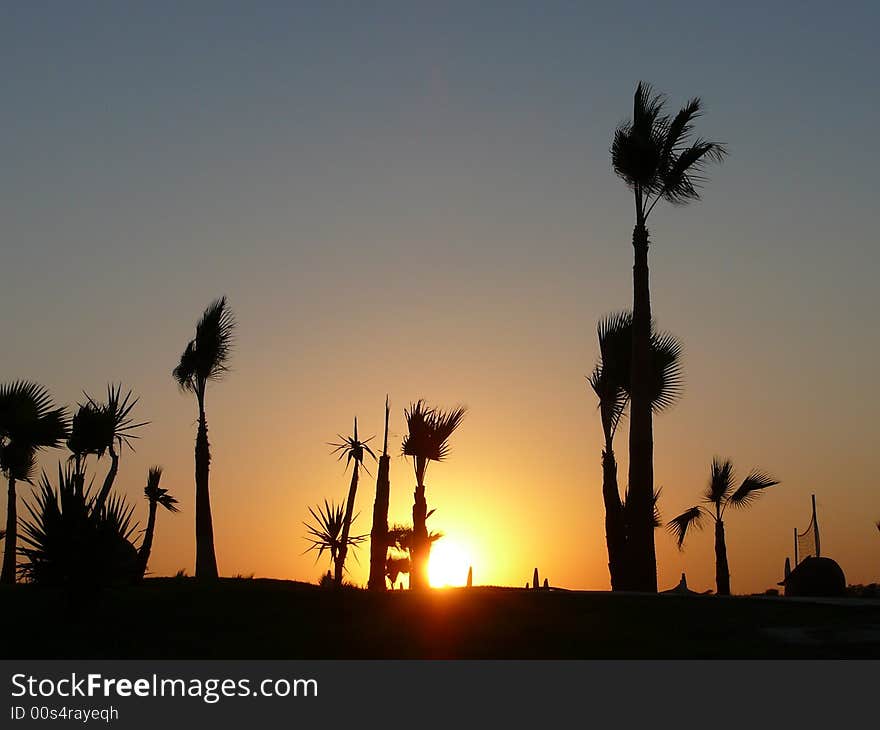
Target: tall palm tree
352, 449
379, 531
29, 422
326, 533
99, 428
427, 440
658, 158
610, 381
205, 359
720, 494
156, 496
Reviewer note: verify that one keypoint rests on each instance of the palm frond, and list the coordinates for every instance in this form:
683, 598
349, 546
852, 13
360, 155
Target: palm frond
154, 493
429, 430
637, 146
656, 517
751, 488
29, 422
206, 356
720, 481
683, 178
185, 371
679, 526
667, 378
29, 417
18, 461
610, 377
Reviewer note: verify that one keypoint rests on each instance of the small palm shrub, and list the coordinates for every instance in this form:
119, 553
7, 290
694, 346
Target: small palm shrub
66, 541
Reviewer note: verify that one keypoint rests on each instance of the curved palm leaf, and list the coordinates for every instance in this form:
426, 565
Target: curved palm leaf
657, 155
667, 379
429, 430
610, 379
154, 493
751, 488
26, 410
206, 356
637, 147
679, 525
29, 422
720, 481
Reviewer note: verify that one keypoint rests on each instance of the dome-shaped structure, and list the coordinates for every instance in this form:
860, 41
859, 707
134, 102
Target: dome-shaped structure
816, 577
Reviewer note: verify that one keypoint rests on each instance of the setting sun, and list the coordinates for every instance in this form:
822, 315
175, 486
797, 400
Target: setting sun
448, 565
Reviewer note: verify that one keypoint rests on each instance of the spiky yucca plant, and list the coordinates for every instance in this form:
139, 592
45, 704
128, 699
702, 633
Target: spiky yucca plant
67, 541
353, 450
720, 494
325, 534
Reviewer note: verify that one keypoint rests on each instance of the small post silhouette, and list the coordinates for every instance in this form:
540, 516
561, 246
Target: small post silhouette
535, 579
470, 578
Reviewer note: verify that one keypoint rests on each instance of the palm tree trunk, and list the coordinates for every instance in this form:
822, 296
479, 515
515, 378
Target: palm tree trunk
421, 546
108, 480
640, 513
379, 532
346, 523
722, 572
615, 529
8, 573
206, 560
147, 544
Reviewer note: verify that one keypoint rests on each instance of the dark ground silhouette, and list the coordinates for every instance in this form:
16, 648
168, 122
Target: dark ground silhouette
244, 618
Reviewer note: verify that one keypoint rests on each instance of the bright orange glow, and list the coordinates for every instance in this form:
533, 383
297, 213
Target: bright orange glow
448, 565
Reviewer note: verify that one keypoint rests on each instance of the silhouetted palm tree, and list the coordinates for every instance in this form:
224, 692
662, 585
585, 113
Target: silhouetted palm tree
29, 422
99, 428
353, 450
721, 494
326, 533
610, 381
379, 530
427, 440
659, 159
205, 359
156, 496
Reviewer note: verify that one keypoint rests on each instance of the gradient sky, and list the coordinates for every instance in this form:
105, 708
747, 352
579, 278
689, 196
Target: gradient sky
417, 199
